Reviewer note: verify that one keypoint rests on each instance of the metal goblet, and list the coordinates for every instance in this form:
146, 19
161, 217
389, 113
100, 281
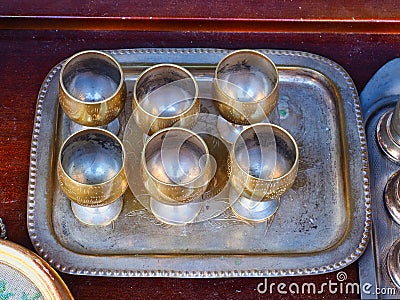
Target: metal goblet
246, 91
388, 133
176, 169
393, 263
264, 166
163, 95
91, 173
92, 90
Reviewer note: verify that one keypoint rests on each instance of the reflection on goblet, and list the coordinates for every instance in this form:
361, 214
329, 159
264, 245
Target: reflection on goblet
92, 90
245, 89
176, 169
393, 263
264, 166
91, 174
388, 133
163, 95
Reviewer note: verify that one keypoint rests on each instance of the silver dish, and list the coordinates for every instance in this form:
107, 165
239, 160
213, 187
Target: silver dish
323, 221
378, 100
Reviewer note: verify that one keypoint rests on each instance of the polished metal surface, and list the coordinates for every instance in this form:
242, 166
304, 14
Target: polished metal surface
324, 217
90, 168
386, 230
175, 214
392, 196
393, 263
100, 215
176, 166
3, 231
254, 211
176, 169
213, 201
388, 139
265, 160
92, 89
230, 131
245, 90
395, 124
246, 87
162, 95
379, 99
112, 127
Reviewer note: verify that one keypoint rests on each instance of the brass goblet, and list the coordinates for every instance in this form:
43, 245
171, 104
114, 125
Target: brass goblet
92, 90
246, 91
264, 166
176, 170
91, 174
163, 95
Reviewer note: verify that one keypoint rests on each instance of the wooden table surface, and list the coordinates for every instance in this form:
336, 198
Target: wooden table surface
217, 15
27, 55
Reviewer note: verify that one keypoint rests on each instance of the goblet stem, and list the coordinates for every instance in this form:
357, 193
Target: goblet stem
252, 210
113, 127
176, 170
175, 214
230, 131
100, 216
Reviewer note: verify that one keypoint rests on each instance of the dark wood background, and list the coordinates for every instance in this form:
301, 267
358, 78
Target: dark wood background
34, 37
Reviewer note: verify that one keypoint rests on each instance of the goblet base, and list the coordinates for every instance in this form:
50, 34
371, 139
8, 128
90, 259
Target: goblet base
392, 199
113, 127
393, 264
100, 216
252, 210
180, 214
386, 141
229, 131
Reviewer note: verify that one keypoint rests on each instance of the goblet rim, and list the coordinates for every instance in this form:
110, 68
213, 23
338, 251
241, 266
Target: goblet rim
143, 159
101, 53
103, 131
251, 52
193, 102
286, 174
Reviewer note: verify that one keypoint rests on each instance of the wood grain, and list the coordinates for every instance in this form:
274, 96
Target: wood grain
253, 9
204, 16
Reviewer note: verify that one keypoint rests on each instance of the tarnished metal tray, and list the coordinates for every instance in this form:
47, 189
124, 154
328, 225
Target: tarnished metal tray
323, 222
379, 96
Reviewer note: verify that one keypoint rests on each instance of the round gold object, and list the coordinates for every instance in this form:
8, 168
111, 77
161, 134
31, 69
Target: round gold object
91, 168
265, 160
92, 90
245, 87
176, 166
163, 95
23, 275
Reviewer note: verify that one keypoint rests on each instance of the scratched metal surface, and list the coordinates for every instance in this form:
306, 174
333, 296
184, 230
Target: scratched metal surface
321, 226
379, 96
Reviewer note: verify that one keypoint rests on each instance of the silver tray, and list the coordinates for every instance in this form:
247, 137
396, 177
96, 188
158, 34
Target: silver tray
323, 222
379, 96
